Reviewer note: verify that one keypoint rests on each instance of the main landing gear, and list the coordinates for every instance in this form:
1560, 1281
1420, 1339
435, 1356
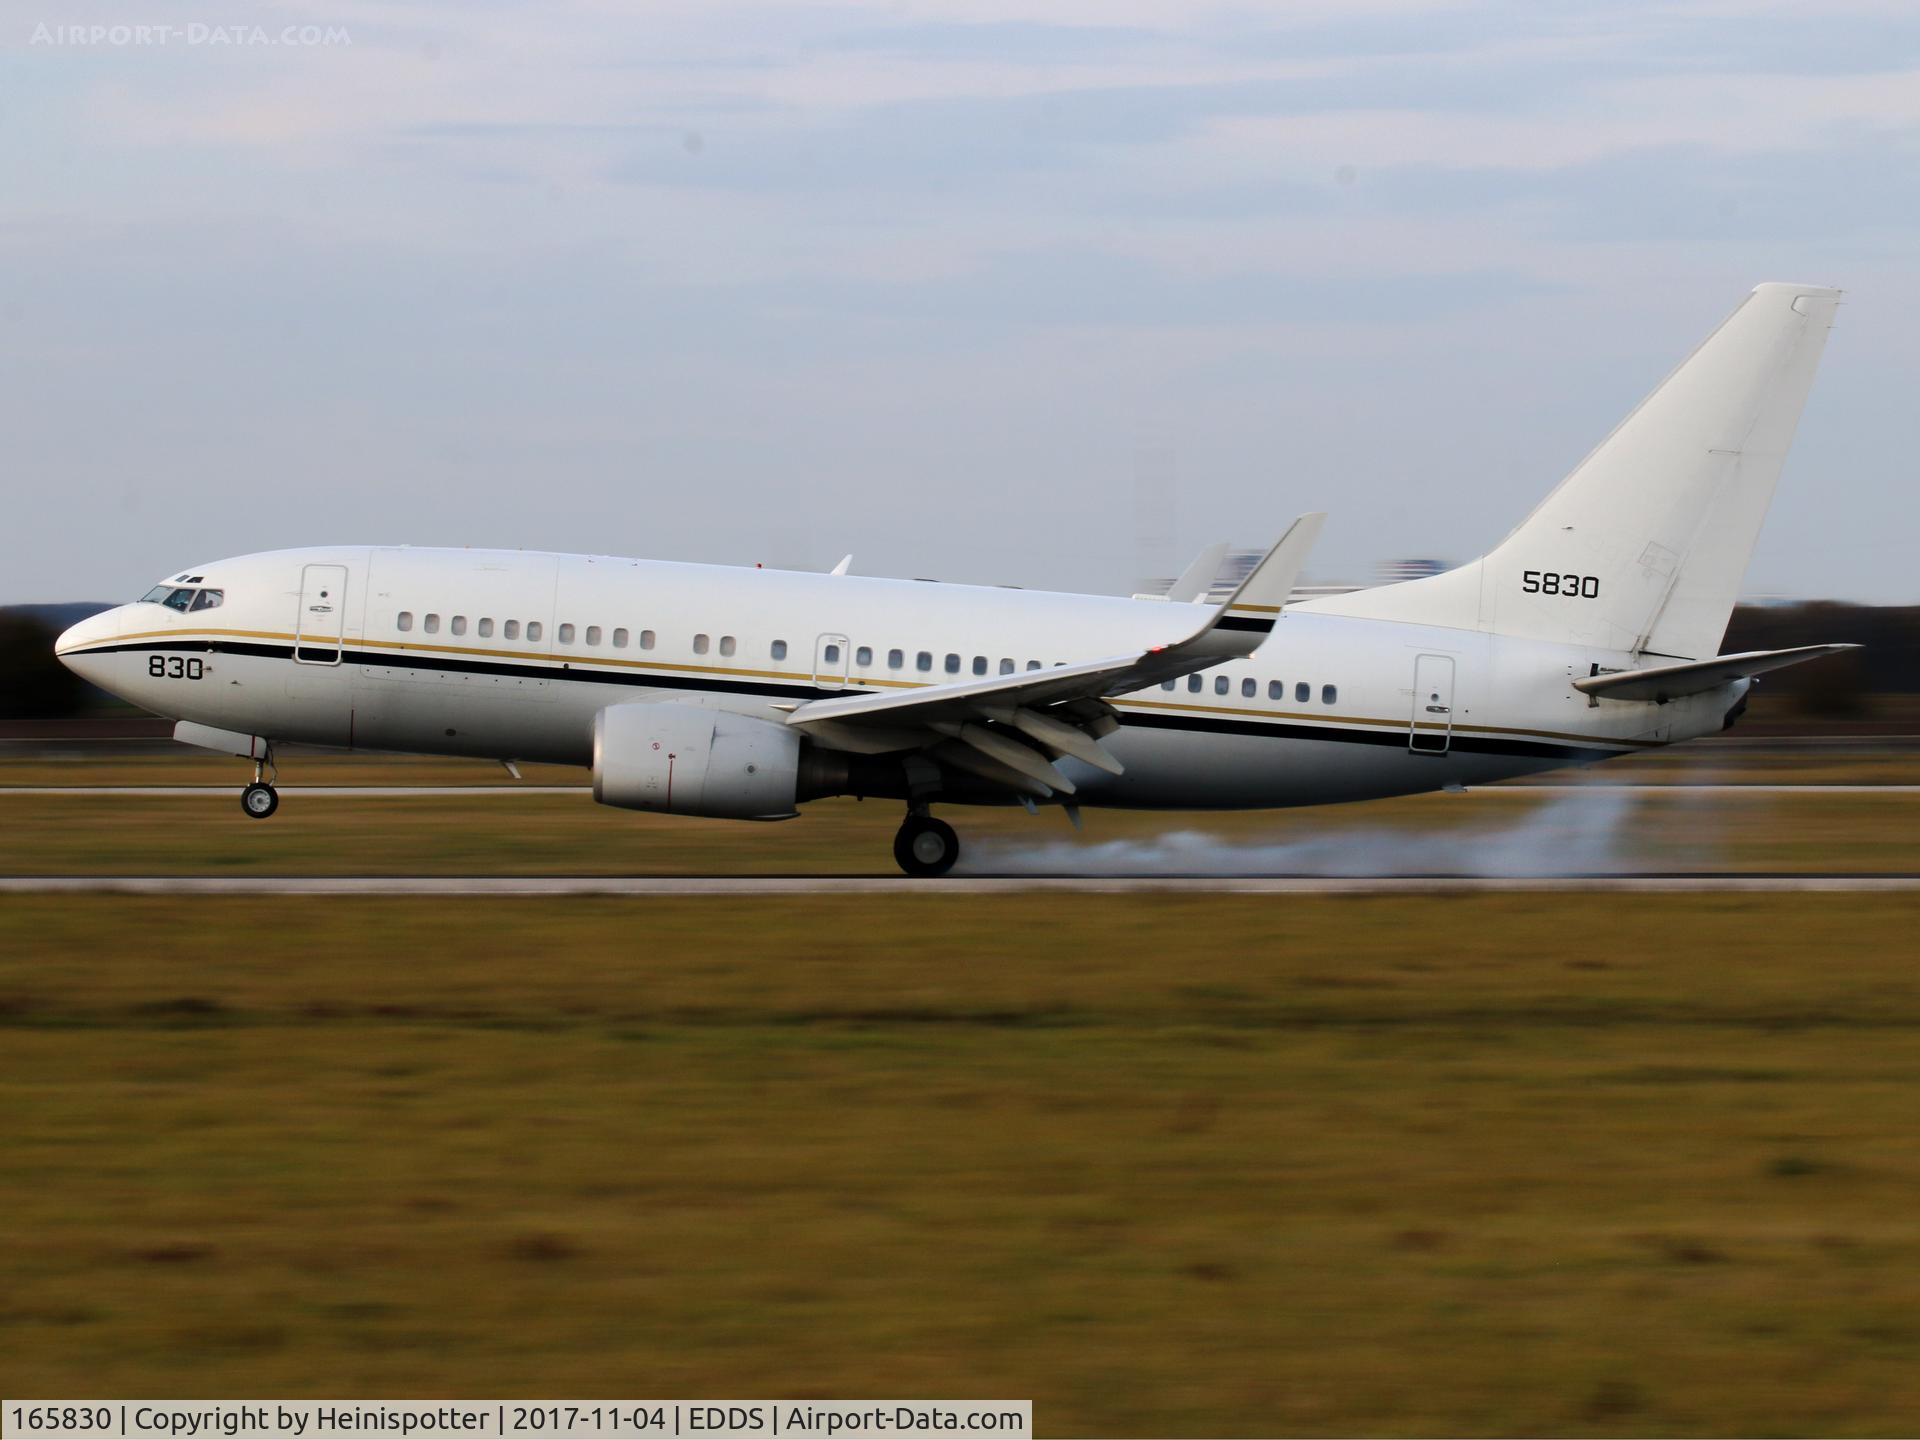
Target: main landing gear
260, 799
926, 846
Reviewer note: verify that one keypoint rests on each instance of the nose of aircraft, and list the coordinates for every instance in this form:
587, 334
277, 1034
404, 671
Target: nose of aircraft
73, 643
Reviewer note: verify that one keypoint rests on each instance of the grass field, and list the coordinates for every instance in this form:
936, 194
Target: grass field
1167, 1165
1485, 830
1498, 829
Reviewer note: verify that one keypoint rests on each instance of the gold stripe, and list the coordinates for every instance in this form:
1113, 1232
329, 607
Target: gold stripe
192, 635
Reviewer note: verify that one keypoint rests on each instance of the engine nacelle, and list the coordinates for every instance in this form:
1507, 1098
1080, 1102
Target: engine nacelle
690, 760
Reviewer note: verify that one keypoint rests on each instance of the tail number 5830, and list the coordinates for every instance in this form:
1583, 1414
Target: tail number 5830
1536, 582
176, 667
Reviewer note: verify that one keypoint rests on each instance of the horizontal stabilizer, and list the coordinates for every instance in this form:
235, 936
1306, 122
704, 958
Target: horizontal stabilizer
1670, 682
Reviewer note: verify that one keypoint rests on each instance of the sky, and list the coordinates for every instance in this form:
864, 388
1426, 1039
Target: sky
1039, 294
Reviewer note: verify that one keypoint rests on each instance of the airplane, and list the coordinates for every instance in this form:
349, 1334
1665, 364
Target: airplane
1591, 631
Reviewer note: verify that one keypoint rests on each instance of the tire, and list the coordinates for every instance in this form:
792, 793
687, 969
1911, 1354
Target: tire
925, 846
259, 801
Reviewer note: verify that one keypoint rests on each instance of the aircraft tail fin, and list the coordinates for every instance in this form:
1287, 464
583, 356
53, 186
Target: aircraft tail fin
1644, 545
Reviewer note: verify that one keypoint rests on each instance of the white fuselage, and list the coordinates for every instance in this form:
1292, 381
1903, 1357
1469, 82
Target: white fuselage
510, 654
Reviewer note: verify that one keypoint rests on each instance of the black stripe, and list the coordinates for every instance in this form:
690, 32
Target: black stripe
1397, 739
1198, 724
1241, 622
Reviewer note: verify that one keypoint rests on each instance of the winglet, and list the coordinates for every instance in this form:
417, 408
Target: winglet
1237, 628
1258, 600
841, 568
1197, 578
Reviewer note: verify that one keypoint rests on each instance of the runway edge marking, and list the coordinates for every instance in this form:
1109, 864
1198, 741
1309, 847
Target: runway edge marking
426, 887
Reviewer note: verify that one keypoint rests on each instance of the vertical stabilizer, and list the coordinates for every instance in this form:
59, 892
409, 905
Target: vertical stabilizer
1644, 546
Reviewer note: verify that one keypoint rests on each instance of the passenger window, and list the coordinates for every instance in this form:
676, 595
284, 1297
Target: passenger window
432, 627
863, 657
1329, 694
620, 637
1302, 692
1248, 688
1166, 684
646, 639
895, 659
727, 645
1276, 690
1220, 684
486, 625
405, 622
533, 629
566, 633
458, 625
831, 655
979, 664
701, 644
513, 630
1006, 666
779, 650
1033, 664
1194, 682
209, 599
593, 634
953, 663
923, 661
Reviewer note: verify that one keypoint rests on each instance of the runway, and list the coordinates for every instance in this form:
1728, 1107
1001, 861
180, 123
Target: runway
304, 792
724, 886
424, 792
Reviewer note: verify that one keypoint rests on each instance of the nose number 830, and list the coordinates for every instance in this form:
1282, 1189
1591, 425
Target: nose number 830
176, 667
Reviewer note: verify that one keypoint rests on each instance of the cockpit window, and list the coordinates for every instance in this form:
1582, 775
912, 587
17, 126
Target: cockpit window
183, 599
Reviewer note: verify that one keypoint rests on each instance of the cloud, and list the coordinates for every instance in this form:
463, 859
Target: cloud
870, 255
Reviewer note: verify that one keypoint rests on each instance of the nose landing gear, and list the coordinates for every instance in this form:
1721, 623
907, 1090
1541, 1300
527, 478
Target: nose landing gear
260, 799
926, 846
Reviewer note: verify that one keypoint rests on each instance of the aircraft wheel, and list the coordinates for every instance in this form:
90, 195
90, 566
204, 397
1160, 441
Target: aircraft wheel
259, 801
926, 846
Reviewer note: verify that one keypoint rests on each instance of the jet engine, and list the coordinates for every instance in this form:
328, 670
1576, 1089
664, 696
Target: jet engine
691, 760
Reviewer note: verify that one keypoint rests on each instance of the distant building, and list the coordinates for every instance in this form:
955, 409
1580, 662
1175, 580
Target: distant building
1392, 572
1239, 564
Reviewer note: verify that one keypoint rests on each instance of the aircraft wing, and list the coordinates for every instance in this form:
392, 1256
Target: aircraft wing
1670, 682
1011, 728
